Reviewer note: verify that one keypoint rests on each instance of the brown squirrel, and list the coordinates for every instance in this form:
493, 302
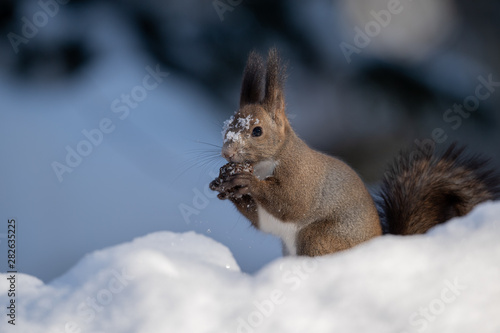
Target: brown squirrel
316, 203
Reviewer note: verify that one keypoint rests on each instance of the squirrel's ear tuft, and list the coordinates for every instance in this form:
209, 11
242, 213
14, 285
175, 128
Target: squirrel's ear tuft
253, 77
274, 97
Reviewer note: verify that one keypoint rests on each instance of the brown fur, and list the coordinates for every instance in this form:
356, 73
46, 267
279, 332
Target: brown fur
423, 188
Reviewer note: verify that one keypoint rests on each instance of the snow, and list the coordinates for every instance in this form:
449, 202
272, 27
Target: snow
244, 123
225, 126
232, 131
443, 281
232, 136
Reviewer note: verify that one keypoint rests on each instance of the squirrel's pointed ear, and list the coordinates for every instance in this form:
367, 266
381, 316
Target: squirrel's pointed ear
274, 97
253, 77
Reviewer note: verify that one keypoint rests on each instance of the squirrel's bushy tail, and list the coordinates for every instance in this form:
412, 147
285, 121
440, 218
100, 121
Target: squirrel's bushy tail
423, 188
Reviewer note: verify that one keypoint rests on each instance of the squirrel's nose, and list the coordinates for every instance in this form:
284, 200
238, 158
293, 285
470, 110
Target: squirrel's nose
228, 155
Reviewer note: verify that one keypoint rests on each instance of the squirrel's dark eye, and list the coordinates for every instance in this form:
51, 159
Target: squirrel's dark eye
257, 131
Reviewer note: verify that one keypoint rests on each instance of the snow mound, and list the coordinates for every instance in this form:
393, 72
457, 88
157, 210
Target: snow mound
444, 281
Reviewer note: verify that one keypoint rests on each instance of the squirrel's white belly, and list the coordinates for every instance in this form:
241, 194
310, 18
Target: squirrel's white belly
287, 231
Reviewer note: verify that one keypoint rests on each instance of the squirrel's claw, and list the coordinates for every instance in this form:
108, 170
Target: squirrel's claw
223, 195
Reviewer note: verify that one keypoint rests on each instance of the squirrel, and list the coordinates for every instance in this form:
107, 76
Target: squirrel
316, 203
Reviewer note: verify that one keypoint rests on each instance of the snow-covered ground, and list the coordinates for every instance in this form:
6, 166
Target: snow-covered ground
443, 281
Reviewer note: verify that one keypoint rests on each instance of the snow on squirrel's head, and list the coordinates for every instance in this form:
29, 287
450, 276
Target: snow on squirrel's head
259, 128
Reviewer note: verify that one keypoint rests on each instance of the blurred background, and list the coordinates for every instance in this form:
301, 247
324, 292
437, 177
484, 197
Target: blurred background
111, 111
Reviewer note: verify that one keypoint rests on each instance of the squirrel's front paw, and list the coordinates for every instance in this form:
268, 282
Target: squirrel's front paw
233, 180
240, 184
